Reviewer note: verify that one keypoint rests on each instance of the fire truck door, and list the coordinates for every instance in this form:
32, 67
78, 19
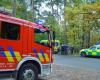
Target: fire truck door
10, 45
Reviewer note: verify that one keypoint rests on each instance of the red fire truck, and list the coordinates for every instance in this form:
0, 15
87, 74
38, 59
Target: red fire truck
21, 52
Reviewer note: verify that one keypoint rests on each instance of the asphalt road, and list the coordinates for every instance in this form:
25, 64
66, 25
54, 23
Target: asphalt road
91, 64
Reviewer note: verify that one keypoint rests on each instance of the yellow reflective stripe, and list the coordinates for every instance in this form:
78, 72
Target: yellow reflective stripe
94, 53
98, 51
18, 56
41, 57
89, 50
47, 58
9, 57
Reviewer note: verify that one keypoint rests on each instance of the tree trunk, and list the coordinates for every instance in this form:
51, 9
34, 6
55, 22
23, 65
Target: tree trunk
33, 11
52, 7
14, 8
65, 26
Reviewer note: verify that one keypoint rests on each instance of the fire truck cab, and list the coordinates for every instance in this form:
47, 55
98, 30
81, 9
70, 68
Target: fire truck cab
21, 52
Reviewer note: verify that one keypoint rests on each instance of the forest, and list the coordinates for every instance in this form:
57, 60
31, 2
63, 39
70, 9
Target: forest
76, 22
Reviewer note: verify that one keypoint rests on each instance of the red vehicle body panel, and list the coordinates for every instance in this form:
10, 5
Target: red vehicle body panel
13, 51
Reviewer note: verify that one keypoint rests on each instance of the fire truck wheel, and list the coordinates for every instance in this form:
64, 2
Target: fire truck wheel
28, 72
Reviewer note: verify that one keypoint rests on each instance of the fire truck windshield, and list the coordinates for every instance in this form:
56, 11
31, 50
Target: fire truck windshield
42, 35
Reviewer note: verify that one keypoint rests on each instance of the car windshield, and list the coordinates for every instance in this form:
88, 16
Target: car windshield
93, 47
39, 35
98, 47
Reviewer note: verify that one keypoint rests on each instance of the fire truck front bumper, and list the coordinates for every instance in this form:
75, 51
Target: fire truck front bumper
46, 69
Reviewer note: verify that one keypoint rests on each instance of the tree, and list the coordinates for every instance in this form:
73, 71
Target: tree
82, 24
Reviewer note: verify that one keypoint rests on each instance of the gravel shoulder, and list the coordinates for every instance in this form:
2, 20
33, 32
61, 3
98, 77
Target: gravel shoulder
67, 73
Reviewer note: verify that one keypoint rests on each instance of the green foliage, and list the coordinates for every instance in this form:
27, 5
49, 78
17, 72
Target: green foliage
54, 26
24, 11
6, 3
82, 18
83, 24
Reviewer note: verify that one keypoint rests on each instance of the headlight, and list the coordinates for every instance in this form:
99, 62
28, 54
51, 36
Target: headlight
81, 50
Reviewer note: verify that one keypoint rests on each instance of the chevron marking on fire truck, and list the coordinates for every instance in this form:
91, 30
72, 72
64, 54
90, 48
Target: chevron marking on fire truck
15, 54
9, 56
6, 54
45, 55
18, 56
47, 58
41, 57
